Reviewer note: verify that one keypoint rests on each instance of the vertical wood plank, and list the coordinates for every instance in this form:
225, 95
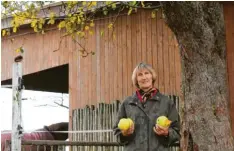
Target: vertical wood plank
125, 60
98, 61
106, 62
144, 39
160, 52
93, 68
133, 44
102, 61
71, 90
120, 59
138, 38
129, 56
155, 49
148, 38
110, 61
16, 107
82, 76
115, 60
89, 62
166, 60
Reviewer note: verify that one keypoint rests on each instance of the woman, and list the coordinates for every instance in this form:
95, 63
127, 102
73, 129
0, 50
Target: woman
144, 107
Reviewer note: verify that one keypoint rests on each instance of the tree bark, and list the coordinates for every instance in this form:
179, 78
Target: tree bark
199, 29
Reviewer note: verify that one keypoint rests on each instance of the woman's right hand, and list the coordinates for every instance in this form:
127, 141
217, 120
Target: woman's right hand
129, 131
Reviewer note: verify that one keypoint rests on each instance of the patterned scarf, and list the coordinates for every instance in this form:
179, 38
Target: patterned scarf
144, 96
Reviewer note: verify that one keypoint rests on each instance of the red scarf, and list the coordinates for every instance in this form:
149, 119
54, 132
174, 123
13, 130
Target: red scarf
144, 96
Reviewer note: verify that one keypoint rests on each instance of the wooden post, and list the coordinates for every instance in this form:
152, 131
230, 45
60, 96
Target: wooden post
17, 87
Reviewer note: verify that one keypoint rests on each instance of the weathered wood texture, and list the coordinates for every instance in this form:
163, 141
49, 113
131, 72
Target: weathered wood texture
228, 8
41, 51
106, 75
16, 107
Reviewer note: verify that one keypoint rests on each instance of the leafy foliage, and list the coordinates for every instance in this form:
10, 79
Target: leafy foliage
76, 18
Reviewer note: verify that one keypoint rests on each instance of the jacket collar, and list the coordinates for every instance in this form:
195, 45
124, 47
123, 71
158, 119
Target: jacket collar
134, 99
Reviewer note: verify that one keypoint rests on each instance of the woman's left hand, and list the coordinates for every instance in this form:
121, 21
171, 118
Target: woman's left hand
160, 131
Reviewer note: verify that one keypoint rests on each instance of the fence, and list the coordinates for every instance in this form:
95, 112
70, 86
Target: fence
101, 119
94, 126
52, 145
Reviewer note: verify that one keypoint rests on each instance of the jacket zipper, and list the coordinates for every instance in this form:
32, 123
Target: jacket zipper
147, 125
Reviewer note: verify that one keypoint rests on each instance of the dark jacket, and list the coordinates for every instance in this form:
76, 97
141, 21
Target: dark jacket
144, 118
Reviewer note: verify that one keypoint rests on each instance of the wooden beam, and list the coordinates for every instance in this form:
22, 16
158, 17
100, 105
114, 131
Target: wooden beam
16, 107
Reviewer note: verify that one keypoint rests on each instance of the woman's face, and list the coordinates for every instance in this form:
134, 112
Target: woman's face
144, 79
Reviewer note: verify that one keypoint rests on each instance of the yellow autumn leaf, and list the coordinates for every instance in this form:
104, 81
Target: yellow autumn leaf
21, 49
110, 26
108, 2
14, 29
52, 14
113, 6
8, 33
93, 3
86, 27
3, 32
5, 4
153, 14
62, 24
42, 21
51, 21
33, 23
91, 32
105, 12
142, 4
40, 26
17, 50
114, 36
91, 24
35, 29
80, 34
102, 32
78, 20
84, 3
130, 11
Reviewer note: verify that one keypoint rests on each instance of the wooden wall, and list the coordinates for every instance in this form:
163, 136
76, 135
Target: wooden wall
229, 25
41, 51
106, 76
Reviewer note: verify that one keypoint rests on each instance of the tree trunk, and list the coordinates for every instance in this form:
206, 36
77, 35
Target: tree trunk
199, 28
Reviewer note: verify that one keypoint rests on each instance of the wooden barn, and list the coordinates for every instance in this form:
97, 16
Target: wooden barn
53, 63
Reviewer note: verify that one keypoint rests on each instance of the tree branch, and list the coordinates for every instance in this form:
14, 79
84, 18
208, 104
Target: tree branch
62, 105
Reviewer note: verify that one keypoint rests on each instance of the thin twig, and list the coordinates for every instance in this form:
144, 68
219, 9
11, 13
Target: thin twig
78, 43
60, 41
61, 105
121, 9
158, 6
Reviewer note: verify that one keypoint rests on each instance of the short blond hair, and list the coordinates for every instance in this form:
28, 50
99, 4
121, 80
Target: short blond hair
143, 66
